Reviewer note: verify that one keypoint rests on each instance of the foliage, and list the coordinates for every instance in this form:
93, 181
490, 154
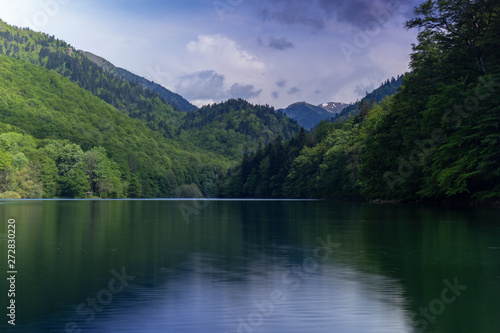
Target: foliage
437, 139
146, 101
236, 127
10, 195
386, 89
58, 140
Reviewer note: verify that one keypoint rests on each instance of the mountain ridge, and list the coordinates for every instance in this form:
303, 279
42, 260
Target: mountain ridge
386, 89
308, 115
334, 107
177, 101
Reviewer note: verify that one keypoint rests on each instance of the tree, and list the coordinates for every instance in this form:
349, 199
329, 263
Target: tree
458, 23
5, 170
102, 174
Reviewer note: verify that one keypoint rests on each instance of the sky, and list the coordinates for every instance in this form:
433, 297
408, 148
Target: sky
274, 52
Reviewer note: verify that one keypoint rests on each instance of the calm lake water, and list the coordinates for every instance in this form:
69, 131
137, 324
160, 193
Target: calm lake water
251, 266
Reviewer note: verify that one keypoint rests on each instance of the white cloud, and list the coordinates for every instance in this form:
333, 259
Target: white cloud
224, 56
203, 58
222, 53
205, 85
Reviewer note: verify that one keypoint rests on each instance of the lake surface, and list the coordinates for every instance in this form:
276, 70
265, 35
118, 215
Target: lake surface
251, 266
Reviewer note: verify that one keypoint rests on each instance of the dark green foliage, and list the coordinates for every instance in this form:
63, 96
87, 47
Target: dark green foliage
236, 127
388, 88
177, 101
102, 151
263, 173
437, 139
131, 97
146, 101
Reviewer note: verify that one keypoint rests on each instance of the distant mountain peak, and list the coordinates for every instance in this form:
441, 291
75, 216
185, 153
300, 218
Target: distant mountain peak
334, 107
308, 115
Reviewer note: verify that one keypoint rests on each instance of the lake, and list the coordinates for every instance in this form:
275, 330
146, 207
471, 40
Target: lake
250, 266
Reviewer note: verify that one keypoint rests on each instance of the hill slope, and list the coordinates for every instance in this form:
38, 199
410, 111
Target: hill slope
236, 127
50, 109
177, 101
333, 107
139, 98
130, 98
436, 140
386, 89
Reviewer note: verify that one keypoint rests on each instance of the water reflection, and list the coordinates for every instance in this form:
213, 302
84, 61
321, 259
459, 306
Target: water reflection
252, 266
267, 298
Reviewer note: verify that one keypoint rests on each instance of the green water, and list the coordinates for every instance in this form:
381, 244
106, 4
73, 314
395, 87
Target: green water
251, 266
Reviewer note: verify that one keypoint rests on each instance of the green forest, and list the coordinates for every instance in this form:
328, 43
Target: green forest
436, 140
61, 141
74, 126
69, 129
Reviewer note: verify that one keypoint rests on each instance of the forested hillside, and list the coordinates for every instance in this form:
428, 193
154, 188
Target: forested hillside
236, 127
131, 98
175, 100
437, 139
142, 100
58, 140
386, 89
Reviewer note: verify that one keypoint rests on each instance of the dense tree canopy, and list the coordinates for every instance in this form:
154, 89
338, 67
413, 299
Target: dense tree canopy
217, 128
58, 140
438, 138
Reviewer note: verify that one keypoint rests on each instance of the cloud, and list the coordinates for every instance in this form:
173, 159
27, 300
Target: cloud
202, 85
280, 44
293, 91
315, 14
292, 12
222, 54
281, 83
208, 87
363, 90
228, 63
275, 95
243, 91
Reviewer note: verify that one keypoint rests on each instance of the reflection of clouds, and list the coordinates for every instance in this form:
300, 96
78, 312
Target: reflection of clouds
212, 294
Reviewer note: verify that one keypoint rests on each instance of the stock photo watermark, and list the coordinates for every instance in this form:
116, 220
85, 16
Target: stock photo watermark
292, 279
11, 272
157, 74
437, 306
371, 30
47, 10
88, 309
193, 208
224, 6
453, 117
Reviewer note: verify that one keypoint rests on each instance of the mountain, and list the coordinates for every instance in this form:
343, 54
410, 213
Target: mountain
71, 123
131, 98
334, 108
386, 89
308, 115
141, 99
236, 127
58, 140
177, 101
435, 140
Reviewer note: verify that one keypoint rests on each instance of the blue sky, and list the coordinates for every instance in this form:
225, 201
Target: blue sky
274, 52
